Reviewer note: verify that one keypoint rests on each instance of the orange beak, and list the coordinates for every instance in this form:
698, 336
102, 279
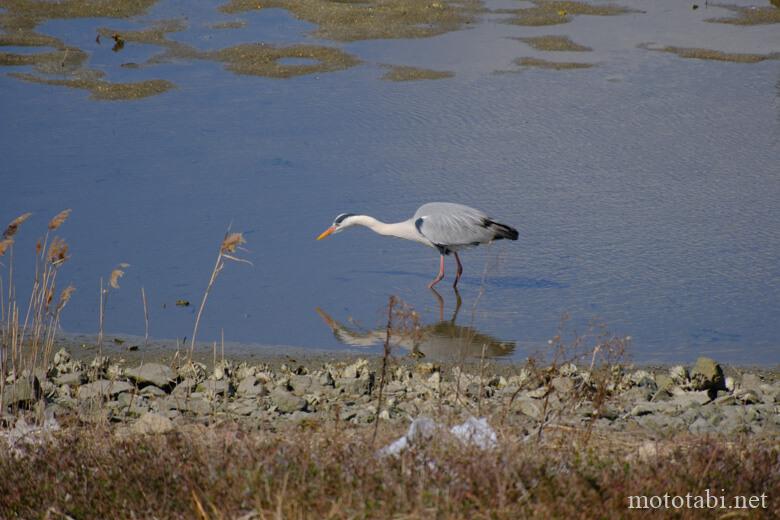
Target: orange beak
327, 232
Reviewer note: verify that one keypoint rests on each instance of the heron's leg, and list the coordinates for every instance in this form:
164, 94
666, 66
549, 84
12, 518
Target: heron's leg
460, 269
441, 274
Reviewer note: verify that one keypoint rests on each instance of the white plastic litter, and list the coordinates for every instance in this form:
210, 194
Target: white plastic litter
474, 431
477, 432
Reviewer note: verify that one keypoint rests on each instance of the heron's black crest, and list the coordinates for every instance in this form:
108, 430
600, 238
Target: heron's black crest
340, 218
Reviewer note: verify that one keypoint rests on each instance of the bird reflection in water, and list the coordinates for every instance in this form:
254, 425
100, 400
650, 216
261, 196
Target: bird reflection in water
442, 340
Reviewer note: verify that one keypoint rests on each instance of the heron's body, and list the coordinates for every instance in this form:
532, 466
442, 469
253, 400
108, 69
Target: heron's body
445, 226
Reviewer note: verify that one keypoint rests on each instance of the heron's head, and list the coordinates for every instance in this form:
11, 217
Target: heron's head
340, 223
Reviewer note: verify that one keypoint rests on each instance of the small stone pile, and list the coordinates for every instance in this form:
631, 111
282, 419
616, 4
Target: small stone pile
156, 398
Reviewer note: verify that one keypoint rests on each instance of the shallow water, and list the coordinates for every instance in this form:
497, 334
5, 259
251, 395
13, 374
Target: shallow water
644, 188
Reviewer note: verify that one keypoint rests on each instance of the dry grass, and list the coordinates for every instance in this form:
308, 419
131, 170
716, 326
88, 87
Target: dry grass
301, 472
27, 337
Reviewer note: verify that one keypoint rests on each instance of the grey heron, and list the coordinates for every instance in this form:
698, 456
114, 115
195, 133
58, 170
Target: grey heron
445, 226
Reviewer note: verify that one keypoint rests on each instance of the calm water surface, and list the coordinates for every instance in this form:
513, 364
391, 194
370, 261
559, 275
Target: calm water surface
645, 188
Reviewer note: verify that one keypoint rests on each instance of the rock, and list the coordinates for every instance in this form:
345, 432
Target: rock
196, 405
642, 378
638, 393
152, 391
747, 396
213, 388
568, 370
103, 388
286, 402
701, 425
249, 387
222, 370
608, 412
725, 400
530, 407
70, 379
750, 381
664, 382
192, 370
155, 374
62, 357
425, 369
243, 407
22, 392
326, 380
356, 369
706, 374
679, 375
358, 386
563, 385
152, 423
642, 409
690, 399
185, 387
301, 384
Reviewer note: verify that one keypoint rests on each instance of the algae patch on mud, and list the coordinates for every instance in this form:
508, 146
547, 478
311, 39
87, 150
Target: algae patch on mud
710, 54
403, 73
554, 12
29, 13
551, 65
372, 19
750, 15
258, 59
235, 24
554, 43
105, 90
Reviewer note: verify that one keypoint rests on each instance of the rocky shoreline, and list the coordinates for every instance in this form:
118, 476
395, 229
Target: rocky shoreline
155, 397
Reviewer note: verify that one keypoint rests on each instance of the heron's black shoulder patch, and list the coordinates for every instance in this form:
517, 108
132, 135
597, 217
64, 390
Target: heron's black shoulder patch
340, 218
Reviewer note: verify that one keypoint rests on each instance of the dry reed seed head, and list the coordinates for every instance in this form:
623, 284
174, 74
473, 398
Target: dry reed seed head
5, 244
13, 227
231, 242
49, 296
65, 296
59, 219
58, 251
116, 274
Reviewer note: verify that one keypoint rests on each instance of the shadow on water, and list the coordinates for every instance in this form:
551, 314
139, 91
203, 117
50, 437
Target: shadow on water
444, 339
505, 282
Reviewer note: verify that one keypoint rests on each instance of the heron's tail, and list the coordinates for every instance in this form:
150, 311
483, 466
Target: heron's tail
502, 231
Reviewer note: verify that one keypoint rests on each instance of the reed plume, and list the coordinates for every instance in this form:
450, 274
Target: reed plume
59, 219
13, 227
113, 283
5, 244
116, 274
230, 244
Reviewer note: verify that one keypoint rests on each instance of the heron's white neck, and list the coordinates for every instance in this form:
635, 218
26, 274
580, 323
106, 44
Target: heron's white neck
405, 229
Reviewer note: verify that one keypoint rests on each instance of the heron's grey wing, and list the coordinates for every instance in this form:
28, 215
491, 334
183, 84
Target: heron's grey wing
455, 229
